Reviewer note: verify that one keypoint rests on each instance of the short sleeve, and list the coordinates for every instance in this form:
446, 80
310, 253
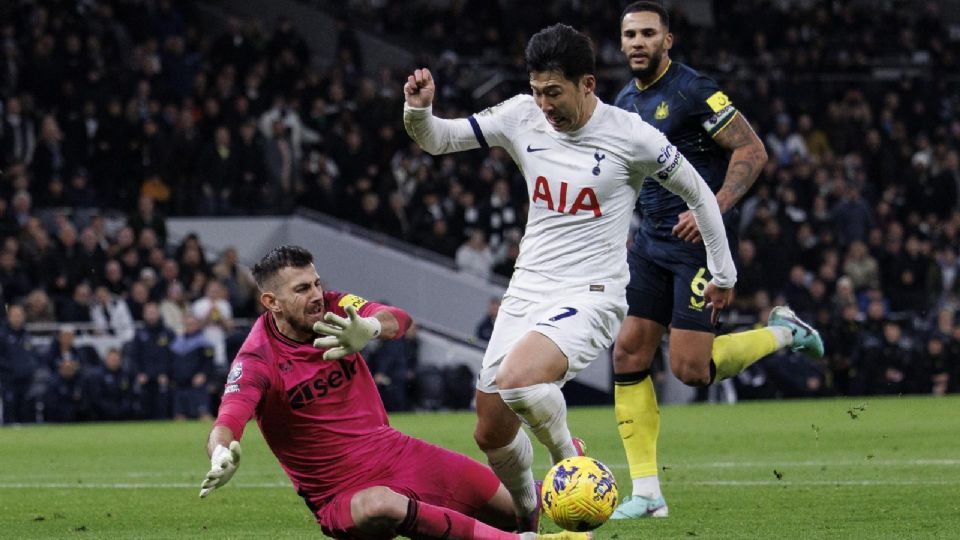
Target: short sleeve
711, 107
337, 302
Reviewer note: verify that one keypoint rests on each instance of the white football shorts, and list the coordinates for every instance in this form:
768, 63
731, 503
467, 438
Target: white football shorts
582, 325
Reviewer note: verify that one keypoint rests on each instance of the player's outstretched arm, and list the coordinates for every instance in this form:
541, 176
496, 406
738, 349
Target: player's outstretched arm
224, 452
434, 135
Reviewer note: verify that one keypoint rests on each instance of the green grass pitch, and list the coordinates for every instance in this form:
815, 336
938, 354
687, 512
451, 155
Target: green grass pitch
844, 468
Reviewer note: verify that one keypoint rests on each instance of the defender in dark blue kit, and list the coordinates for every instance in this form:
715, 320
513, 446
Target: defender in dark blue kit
668, 268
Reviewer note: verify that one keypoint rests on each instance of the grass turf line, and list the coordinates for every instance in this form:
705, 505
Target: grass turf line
843, 468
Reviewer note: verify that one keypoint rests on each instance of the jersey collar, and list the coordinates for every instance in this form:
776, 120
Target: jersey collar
281, 337
655, 81
585, 128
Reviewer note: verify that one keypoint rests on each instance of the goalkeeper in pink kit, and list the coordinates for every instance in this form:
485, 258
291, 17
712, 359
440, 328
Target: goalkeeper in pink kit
300, 373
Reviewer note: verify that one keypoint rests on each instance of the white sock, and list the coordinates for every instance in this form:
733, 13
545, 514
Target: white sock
543, 408
512, 466
648, 486
783, 335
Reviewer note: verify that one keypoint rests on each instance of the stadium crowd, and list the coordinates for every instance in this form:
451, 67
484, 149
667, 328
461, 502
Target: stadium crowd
113, 105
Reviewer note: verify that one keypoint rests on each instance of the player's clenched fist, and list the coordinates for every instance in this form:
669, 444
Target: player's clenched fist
419, 89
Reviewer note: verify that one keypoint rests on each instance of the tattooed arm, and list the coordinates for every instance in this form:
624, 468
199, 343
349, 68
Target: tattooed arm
746, 161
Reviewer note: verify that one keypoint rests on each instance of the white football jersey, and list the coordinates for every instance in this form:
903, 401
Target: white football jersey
582, 187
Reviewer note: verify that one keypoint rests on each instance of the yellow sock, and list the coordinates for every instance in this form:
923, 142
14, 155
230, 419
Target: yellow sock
638, 419
733, 353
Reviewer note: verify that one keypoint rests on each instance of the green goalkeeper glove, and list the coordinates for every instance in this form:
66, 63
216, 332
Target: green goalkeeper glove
345, 336
223, 463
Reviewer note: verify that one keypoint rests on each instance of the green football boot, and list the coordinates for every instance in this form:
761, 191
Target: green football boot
805, 338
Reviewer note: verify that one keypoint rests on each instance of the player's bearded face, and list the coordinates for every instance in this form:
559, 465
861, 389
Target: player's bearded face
300, 300
645, 41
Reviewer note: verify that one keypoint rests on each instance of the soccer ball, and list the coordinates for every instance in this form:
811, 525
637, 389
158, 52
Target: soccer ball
579, 493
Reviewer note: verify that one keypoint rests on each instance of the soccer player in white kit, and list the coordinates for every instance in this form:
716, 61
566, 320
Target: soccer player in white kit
584, 162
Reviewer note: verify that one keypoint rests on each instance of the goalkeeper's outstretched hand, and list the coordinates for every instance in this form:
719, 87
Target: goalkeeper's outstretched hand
345, 336
223, 463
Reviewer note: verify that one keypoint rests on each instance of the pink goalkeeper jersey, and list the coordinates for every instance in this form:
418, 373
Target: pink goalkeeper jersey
323, 420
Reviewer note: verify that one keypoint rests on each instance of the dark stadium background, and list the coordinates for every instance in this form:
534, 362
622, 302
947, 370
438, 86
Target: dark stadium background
122, 121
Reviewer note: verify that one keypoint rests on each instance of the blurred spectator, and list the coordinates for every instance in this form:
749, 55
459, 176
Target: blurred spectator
8, 224
147, 217
394, 364
174, 307
150, 358
190, 367
113, 278
66, 399
169, 273
110, 389
38, 307
248, 195
238, 280
64, 348
192, 261
485, 327
890, 366
508, 262
861, 267
784, 144
139, 296
49, 163
475, 257
215, 314
18, 362
851, 216
219, 171
77, 308
439, 239
912, 266
797, 293
939, 365
13, 279
19, 134
943, 282
110, 314
814, 139
501, 216
844, 353
91, 258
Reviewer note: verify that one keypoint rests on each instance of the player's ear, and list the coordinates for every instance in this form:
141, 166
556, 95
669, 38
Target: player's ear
668, 41
588, 83
269, 301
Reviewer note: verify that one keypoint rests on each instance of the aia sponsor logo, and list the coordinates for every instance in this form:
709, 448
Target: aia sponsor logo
307, 392
556, 198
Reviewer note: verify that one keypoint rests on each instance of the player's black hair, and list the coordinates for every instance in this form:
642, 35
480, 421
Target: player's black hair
647, 5
279, 258
563, 49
